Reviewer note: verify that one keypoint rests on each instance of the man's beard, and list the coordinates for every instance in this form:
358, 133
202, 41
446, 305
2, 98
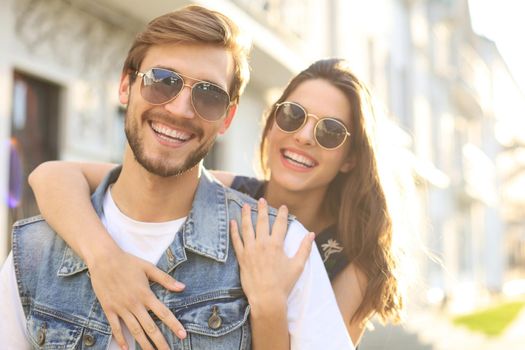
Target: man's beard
160, 167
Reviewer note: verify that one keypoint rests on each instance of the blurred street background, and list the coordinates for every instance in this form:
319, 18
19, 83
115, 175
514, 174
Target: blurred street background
450, 80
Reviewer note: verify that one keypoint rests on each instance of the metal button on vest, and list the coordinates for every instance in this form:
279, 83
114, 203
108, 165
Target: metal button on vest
215, 321
89, 340
171, 257
41, 334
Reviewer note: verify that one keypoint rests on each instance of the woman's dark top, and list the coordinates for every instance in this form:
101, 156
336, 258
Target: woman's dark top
331, 250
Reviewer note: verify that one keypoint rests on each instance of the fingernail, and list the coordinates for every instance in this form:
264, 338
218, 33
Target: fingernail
261, 201
179, 285
181, 333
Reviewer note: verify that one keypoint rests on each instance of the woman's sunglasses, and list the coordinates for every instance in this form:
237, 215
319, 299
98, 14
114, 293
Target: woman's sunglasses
329, 133
160, 86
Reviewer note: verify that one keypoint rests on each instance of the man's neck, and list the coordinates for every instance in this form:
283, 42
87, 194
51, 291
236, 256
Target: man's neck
146, 197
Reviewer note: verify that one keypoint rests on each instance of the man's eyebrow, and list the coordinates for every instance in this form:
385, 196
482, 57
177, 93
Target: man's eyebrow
187, 76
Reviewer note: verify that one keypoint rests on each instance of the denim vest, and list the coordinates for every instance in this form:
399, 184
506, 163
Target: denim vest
63, 312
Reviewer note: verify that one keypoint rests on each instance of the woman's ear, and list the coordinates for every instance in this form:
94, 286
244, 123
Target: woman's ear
348, 164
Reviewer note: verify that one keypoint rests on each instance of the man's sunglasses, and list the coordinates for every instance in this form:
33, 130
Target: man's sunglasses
160, 86
329, 133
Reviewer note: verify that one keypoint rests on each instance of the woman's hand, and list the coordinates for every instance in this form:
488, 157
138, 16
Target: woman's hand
120, 282
267, 273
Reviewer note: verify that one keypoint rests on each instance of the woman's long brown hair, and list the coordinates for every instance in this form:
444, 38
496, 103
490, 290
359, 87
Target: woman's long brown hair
356, 198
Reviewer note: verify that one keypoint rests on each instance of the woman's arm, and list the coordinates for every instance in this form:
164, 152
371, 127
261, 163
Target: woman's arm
267, 274
56, 186
349, 288
62, 191
223, 176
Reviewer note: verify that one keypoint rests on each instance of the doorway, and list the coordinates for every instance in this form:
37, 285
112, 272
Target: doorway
34, 138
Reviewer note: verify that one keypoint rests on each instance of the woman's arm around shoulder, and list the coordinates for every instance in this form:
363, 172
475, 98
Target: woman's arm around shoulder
225, 177
62, 191
76, 173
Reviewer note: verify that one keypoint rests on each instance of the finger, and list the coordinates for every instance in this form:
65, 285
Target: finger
116, 330
303, 253
157, 275
236, 238
263, 225
136, 331
247, 227
280, 226
167, 317
150, 328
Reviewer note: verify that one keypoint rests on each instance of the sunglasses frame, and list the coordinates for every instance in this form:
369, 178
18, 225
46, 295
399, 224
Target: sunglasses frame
142, 75
306, 115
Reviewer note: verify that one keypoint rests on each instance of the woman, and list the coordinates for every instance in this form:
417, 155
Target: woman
318, 158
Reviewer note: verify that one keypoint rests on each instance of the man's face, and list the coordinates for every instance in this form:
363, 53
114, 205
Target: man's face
170, 139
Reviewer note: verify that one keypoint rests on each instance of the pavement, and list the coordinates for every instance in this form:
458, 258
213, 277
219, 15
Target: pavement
427, 330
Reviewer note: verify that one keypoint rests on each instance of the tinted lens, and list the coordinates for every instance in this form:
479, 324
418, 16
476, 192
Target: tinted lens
330, 133
209, 100
289, 117
160, 85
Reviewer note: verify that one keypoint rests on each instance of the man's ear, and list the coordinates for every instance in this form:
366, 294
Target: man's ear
348, 164
124, 88
229, 117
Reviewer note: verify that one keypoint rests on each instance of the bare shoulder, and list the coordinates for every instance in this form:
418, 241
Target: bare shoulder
225, 177
360, 276
350, 287
353, 280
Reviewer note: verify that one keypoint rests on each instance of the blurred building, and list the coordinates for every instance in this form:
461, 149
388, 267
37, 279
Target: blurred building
60, 67
451, 93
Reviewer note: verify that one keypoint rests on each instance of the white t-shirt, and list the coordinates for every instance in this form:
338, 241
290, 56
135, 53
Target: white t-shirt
314, 320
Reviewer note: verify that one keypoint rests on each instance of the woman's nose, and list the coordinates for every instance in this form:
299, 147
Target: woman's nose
305, 135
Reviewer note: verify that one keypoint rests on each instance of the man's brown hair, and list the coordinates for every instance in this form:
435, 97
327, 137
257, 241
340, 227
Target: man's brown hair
194, 25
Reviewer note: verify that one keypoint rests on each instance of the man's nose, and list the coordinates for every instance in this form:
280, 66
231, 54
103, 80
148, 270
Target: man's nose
182, 105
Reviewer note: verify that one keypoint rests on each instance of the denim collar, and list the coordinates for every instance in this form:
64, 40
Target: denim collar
205, 231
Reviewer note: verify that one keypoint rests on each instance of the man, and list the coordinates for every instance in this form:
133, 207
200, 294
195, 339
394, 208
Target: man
181, 83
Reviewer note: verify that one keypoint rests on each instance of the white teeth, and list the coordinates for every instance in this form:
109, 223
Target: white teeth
172, 133
297, 158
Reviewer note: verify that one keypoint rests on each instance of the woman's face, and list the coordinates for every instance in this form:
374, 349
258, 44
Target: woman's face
296, 162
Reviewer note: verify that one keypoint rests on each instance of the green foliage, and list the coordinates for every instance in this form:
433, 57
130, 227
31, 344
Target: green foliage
491, 321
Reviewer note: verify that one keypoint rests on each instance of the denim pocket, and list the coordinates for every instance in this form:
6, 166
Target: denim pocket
49, 329
217, 320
